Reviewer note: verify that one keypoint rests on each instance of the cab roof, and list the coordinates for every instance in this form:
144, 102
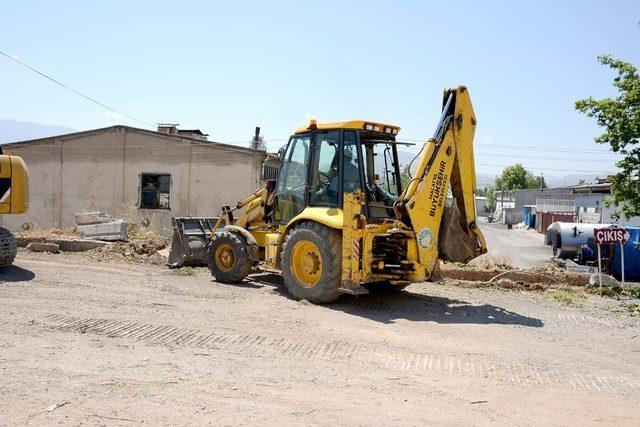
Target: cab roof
350, 124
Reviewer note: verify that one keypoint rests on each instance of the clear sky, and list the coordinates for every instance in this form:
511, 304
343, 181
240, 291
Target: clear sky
226, 67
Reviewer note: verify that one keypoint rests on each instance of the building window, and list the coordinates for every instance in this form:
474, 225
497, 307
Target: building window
269, 172
154, 190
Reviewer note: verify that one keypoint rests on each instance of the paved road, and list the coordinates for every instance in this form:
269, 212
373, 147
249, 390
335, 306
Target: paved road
520, 248
133, 344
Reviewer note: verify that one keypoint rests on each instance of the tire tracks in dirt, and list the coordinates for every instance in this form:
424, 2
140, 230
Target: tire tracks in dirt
341, 351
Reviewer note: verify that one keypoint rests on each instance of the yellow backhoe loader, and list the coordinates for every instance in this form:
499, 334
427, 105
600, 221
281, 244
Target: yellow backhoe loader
337, 218
14, 199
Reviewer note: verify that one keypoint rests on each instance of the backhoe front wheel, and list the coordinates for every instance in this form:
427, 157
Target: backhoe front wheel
228, 257
8, 247
311, 263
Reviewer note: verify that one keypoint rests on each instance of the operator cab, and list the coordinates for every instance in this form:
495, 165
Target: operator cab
323, 161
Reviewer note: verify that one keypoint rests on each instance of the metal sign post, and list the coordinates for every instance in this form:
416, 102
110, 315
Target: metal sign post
610, 236
622, 261
599, 267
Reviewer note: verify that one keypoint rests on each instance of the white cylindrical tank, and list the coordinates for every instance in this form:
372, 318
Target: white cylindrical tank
565, 237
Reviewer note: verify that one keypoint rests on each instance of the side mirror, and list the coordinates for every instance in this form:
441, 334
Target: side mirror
281, 153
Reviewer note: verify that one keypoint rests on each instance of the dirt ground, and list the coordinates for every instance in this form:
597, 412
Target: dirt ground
126, 344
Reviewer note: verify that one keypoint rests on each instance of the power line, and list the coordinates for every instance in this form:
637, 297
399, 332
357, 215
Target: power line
74, 90
547, 169
536, 148
553, 149
485, 154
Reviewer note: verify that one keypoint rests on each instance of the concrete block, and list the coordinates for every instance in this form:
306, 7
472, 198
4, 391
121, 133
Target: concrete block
24, 241
68, 245
86, 218
606, 280
43, 247
577, 268
112, 231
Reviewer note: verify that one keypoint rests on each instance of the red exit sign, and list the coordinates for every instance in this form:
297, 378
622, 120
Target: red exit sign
610, 236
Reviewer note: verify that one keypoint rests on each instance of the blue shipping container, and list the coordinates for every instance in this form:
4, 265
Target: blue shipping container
529, 218
631, 257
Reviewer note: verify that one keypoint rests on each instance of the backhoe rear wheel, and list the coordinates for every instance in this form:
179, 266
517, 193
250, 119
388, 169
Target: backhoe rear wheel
228, 257
311, 263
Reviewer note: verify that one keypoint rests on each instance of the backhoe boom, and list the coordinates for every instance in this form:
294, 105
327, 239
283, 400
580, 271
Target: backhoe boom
446, 162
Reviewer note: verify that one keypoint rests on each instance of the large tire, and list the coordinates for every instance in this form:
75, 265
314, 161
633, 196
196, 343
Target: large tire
8, 247
311, 263
228, 257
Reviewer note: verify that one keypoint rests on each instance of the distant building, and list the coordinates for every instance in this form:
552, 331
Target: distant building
591, 206
134, 174
579, 203
172, 129
481, 206
510, 204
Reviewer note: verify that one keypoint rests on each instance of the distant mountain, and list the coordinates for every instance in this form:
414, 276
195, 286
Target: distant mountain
484, 179
561, 181
13, 130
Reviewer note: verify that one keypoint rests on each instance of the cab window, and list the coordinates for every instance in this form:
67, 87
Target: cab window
290, 191
350, 167
325, 179
381, 177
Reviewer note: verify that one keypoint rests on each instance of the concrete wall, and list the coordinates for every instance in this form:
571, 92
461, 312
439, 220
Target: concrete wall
101, 171
591, 207
606, 216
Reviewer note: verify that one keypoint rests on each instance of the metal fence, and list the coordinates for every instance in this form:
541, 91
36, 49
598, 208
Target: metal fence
555, 204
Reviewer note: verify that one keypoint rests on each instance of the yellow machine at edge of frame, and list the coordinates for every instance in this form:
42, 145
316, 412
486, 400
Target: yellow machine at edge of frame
14, 199
338, 219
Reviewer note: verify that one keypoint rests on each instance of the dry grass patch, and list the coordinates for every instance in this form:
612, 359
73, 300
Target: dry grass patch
567, 296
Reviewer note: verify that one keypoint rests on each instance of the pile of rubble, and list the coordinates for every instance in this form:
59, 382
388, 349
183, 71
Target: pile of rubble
54, 241
100, 237
143, 245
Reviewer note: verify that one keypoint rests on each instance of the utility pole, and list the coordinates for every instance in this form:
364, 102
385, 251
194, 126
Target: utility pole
255, 144
504, 217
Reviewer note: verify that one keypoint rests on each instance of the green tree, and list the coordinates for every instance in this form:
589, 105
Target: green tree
405, 176
620, 118
490, 192
516, 177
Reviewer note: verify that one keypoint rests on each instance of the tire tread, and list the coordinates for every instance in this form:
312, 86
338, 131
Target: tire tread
243, 264
327, 290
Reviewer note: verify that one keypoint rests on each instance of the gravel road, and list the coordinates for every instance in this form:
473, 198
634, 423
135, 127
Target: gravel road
131, 344
520, 248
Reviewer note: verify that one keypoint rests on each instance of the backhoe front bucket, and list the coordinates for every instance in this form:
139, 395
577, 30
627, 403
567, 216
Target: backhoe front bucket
190, 239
